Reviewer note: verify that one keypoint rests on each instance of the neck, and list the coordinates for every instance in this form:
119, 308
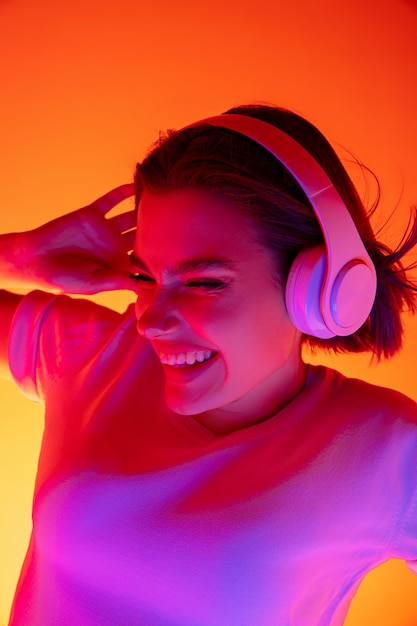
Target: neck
259, 404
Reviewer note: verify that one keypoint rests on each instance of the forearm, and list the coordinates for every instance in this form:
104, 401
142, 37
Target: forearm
81, 252
17, 264
13, 274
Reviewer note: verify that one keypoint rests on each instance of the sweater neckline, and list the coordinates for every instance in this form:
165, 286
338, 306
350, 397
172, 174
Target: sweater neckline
190, 424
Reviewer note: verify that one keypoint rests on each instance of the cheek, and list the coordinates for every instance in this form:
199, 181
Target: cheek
209, 311
262, 336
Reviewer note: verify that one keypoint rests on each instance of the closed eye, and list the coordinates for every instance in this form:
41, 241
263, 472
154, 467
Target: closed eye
140, 278
206, 284
209, 284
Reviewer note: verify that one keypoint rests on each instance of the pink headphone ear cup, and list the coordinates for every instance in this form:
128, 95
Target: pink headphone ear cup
303, 292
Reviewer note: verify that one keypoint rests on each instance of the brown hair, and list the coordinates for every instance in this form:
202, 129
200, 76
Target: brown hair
235, 167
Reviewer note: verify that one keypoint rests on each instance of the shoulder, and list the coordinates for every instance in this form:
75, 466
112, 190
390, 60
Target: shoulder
40, 311
368, 432
44, 320
38, 304
365, 400
50, 333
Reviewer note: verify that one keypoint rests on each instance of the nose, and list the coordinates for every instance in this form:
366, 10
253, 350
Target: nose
156, 318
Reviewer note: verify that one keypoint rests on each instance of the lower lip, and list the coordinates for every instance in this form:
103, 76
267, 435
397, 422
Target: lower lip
187, 374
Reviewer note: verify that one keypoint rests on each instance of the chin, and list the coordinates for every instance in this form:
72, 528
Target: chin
183, 405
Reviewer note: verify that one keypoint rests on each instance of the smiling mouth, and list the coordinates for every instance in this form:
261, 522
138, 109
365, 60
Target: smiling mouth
186, 359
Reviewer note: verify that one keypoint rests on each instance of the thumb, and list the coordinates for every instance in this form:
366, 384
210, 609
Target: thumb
110, 280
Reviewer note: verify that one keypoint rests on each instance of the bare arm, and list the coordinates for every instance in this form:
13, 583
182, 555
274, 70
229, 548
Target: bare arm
83, 252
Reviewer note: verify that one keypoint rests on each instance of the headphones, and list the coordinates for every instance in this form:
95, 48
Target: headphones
330, 288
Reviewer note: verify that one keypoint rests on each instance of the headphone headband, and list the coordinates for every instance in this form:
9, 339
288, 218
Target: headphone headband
348, 282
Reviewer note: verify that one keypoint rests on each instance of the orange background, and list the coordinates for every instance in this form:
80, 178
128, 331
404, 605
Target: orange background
87, 84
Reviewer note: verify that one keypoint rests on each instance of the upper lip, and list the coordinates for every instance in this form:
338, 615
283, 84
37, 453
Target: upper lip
161, 348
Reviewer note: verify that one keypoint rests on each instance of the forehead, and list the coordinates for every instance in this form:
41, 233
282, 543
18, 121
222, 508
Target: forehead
190, 222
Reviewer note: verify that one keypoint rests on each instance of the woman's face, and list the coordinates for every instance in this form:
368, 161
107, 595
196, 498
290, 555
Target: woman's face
209, 305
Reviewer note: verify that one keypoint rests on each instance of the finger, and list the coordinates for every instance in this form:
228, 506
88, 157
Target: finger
129, 240
124, 221
113, 198
111, 281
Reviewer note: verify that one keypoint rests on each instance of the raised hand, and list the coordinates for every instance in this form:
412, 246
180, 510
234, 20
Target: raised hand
82, 252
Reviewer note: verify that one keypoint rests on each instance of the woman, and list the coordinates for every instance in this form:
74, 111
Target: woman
194, 471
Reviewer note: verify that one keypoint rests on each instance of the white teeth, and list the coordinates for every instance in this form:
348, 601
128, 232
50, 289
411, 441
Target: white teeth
185, 358
201, 356
190, 358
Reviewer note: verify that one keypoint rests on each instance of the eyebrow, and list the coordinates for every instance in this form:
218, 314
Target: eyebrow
189, 265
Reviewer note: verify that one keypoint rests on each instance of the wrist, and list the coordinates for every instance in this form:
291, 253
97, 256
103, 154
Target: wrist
16, 263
